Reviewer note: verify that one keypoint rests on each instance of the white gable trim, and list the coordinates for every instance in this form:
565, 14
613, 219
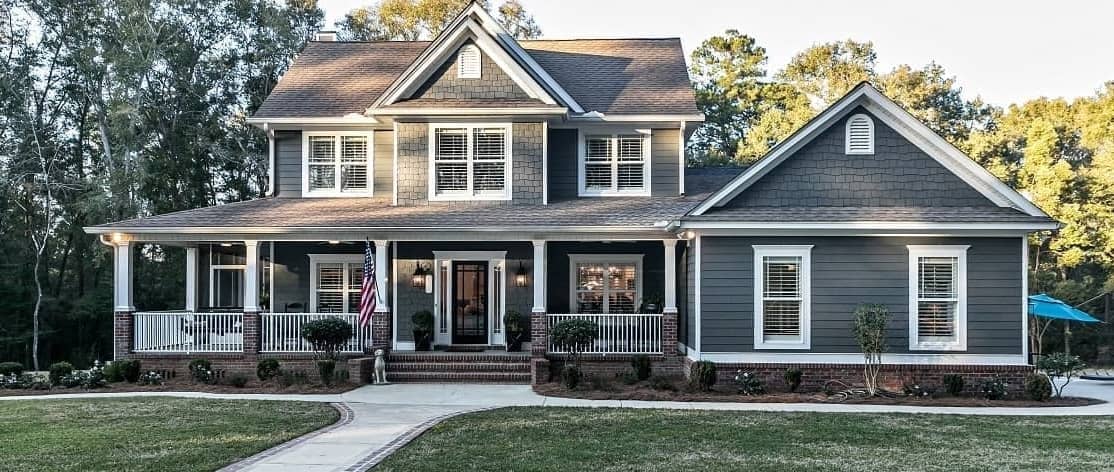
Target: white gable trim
900, 120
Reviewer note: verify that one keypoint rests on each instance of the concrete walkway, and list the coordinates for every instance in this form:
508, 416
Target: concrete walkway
377, 420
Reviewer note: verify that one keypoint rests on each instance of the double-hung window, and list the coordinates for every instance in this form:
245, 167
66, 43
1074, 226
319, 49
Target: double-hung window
616, 164
606, 283
470, 162
337, 163
782, 286
335, 282
938, 298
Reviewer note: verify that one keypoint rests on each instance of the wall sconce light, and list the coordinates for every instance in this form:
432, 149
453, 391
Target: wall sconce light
418, 279
520, 276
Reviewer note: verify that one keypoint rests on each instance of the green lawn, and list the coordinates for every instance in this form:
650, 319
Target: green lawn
164, 434
572, 439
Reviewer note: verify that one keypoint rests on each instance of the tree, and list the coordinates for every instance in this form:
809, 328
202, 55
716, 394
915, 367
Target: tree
870, 332
411, 20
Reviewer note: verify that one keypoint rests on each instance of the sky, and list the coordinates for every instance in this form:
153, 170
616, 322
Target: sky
1003, 51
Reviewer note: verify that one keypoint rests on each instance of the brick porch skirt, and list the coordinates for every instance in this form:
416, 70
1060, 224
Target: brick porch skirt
231, 363
892, 376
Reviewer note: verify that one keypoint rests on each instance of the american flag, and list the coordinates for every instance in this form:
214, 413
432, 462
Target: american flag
367, 290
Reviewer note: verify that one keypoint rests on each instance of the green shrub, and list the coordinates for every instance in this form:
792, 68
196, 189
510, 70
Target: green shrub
201, 370
288, 378
661, 382
702, 375
793, 378
131, 370
325, 369
917, 389
570, 376
994, 389
327, 336
1038, 387
1061, 365
122, 370
628, 378
641, 366
600, 383
267, 369
238, 380
8, 368
749, 384
953, 384
113, 372
574, 337
150, 378
58, 370
24, 381
95, 377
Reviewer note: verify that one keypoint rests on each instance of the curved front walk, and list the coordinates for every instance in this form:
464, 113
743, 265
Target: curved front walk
377, 420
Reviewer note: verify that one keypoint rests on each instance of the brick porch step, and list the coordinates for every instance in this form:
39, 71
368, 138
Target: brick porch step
458, 367
460, 377
490, 367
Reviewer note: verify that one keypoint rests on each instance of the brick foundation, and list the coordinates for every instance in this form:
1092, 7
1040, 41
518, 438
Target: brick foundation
669, 334
381, 330
607, 366
229, 363
892, 376
539, 334
252, 323
122, 325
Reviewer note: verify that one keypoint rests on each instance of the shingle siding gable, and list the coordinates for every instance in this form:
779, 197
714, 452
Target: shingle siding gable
493, 83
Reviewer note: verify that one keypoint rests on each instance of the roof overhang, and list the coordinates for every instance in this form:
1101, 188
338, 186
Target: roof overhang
501, 233
486, 112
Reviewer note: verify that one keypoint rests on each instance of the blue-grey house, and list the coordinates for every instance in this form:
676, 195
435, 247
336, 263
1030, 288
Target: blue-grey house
491, 176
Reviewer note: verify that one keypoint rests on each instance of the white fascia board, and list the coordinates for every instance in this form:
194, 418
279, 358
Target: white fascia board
294, 120
865, 225
316, 229
649, 117
486, 112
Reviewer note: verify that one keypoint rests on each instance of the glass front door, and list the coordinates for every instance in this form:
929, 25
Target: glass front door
470, 302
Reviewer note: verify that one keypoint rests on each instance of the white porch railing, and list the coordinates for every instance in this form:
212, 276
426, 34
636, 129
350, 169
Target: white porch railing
282, 332
634, 333
179, 331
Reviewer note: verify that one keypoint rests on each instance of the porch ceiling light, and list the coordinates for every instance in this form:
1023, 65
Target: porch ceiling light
520, 276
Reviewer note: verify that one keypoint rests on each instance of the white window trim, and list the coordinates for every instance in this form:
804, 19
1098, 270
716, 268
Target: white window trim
636, 259
336, 192
960, 253
317, 259
582, 159
469, 194
805, 253
471, 49
212, 280
847, 135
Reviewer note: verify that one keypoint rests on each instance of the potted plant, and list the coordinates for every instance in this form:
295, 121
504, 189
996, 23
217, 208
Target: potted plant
516, 330
651, 303
423, 329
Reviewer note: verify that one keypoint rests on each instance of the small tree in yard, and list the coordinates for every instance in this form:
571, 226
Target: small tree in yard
327, 336
1060, 364
573, 336
870, 332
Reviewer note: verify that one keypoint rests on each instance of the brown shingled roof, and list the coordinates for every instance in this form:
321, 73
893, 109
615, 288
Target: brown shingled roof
611, 76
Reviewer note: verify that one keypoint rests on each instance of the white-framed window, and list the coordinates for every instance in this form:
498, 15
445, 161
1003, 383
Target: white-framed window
335, 282
614, 164
859, 135
469, 162
605, 283
938, 298
782, 297
336, 163
468, 62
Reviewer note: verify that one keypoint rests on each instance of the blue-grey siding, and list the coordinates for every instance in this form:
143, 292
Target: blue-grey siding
288, 164
562, 155
557, 257
564, 159
848, 271
664, 162
897, 174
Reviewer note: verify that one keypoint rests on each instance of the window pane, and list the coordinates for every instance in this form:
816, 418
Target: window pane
452, 176
228, 288
937, 277
489, 143
330, 276
353, 156
598, 148
620, 302
355, 276
630, 148
452, 144
589, 276
589, 302
488, 176
935, 318
781, 277
623, 277
597, 176
630, 176
322, 177
330, 302
781, 318
353, 149
322, 149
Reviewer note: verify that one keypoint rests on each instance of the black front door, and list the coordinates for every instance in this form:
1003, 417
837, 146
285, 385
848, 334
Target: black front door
469, 302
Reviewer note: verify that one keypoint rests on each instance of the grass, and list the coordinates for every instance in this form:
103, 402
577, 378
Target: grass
563, 439
165, 434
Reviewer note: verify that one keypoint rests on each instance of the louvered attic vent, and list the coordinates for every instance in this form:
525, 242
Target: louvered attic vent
860, 135
468, 62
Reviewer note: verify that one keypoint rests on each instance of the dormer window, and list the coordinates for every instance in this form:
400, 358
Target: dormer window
616, 164
468, 62
336, 164
860, 135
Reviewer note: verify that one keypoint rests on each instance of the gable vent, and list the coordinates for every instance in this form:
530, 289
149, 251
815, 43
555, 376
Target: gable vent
468, 62
860, 135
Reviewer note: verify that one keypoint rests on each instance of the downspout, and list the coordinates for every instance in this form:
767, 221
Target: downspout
270, 160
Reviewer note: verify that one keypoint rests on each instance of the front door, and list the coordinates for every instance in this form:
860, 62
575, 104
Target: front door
470, 302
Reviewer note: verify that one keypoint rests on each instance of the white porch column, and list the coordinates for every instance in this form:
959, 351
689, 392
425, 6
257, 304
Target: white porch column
670, 276
381, 269
191, 279
122, 277
539, 276
251, 276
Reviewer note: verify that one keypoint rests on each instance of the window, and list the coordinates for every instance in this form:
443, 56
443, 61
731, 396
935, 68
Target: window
615, 165
782, 285
336, 282
469, 162
938, 298
605, 283
468, 62
859, 137
337, 164
226, 286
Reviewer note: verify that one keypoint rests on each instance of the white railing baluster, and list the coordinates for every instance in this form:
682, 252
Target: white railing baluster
188, 332
634, 333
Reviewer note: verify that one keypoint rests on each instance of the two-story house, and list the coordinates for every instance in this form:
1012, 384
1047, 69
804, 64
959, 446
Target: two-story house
547, 177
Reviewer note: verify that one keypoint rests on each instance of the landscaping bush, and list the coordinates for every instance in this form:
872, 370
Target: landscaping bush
641, 366
1061, 365
122, 370
150, 378
113, 372
58, 370
661, 382
327, 336
994, 389
570, 376
600, 383
516, 325
94, 378
574, 336
870, 332
288, 378
325, 369
702, 375
8, 368
202, 371
749, 384
267, 369
238, 380
1038, 387
953, 384
24, 381
917, 389
793, 378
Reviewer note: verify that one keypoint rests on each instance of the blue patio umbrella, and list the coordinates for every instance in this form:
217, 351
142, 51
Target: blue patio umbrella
1044, 306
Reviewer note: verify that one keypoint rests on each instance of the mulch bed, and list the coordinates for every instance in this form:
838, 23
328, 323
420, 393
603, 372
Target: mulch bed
187, 385
726, 394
